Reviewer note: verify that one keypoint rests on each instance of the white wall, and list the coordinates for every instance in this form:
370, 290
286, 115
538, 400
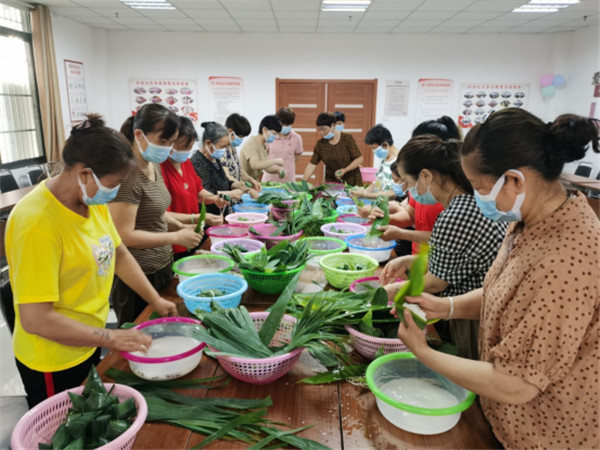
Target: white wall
112, 57
79, 42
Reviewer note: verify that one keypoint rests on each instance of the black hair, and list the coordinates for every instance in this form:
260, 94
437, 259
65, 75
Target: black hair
151, 118
378, 135
213, 131
286, 116
271, 122
102, 149
432, 153
444, 127
394, 167
513, 137
339, 116
187, 131
325, 119
239, 124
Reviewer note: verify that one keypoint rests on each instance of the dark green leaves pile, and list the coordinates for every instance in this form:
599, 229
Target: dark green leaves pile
95, 419
275, 198
232, 331
381, 203
216, 418
280, 258
313, 216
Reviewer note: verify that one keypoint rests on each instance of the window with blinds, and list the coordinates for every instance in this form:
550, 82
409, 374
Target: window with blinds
20, 129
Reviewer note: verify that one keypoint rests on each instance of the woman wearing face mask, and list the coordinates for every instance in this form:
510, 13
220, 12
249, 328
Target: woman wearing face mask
255, 157
379, 139
463, 242
340, 118
338, 151
63, 250
140, 208
411, 213
287, 146
208, 166
539, 307
185, 186
238, 128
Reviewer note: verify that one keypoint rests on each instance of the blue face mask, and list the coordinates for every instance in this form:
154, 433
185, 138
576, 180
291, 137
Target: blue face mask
218, 153
102, 197
270, 138
286, 130
180, 156
329, 135
381, 152
398, 190
426, 199
487, 203
155, 153
339, 127
236, 141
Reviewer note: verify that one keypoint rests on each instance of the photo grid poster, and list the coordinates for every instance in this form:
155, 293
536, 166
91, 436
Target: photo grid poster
180, 96
477, 100
76, 90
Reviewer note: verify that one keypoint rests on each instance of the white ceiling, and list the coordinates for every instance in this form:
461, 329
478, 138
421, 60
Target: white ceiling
304, 16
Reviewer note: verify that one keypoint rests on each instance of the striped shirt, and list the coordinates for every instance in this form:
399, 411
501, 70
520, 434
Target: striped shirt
152, 199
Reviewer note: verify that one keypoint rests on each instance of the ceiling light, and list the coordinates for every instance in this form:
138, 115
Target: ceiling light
545, 6
148, 4
345, 5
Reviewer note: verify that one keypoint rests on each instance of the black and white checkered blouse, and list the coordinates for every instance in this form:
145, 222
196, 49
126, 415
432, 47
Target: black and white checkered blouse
464, 245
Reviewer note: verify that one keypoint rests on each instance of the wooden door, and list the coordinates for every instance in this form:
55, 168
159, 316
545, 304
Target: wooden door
308, 98
356, 99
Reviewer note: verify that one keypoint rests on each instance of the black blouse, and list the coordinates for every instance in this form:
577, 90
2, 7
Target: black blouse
213, 178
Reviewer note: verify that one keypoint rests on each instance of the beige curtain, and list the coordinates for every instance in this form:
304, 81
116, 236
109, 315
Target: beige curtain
47, 81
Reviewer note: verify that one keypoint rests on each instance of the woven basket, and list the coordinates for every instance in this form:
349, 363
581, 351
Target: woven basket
232, 285
270, 283
341, 279
41, 422
264, 370
368, 346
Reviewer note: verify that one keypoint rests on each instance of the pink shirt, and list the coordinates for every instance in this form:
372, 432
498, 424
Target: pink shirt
285, 148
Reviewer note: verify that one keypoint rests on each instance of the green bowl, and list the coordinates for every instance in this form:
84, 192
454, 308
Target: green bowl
198, 264
341, 279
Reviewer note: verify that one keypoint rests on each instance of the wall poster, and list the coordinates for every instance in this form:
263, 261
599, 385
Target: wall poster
434, 98
226, 96
180, 96
76, 90
480, 99
396, 98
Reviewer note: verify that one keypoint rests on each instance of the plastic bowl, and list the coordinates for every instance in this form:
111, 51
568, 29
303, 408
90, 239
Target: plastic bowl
223, 232
374, 247
251, 208
264, 235
358, 286
264, 370
321, 246
342, 201
353, 218
368, 174
350, 229
41, 422
199, 264
232, 286
174, 351
341, 279
415, 398
251, 245
246, 219
347, 209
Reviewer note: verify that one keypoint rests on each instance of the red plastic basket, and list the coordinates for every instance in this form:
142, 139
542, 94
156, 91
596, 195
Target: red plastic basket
264, 370
41, 421
265, 230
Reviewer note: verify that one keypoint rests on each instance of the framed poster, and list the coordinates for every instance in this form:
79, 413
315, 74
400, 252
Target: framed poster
226, 96
480, 99
434, 98
76, 90
180, 96
396, 98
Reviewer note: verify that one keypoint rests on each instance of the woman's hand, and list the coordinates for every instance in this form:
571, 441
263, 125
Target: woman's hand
255, 185
187, 237
238, 185
375, 213
390, 233
358, 192
220, 202
395, 269
340, 173
129, 340
364, 211
410, 334
433, 307
236, 194
213, 219
164, 307
253, 193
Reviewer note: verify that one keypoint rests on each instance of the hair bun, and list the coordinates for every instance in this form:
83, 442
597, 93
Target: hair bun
90, 123
207, 124
570, 135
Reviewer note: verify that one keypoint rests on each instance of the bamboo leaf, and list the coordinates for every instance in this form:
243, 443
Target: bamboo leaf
271, 324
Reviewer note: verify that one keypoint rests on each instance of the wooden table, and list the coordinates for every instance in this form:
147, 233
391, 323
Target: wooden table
343, 415
583, 182
10, 198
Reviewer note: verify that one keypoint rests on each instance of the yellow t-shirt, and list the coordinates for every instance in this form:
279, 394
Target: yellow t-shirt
55, 255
